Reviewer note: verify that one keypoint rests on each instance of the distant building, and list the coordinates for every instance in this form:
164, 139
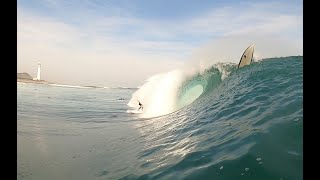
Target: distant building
25, 77
39, 72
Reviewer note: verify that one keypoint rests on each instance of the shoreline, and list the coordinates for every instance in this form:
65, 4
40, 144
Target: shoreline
33, 81
68, 86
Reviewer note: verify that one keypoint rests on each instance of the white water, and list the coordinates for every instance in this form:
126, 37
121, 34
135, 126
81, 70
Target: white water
158, 94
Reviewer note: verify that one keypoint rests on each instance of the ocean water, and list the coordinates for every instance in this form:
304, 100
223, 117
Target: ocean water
222, 123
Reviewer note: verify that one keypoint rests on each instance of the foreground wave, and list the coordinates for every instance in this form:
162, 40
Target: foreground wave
247, 126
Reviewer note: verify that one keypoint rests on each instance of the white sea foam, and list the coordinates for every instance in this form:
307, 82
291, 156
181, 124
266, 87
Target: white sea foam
69, 86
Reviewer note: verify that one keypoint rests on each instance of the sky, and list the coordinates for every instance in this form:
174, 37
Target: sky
122, 43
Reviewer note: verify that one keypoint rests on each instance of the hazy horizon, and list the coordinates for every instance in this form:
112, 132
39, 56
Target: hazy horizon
123, 43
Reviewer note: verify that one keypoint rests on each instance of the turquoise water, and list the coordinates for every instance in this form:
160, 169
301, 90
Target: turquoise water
246, 126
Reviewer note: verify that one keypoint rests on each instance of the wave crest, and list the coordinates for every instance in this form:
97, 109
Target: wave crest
167, 92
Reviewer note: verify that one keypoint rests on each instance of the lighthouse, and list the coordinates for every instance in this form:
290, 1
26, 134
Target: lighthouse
39, 71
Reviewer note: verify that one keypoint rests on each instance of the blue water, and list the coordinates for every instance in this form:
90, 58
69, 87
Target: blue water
246, 126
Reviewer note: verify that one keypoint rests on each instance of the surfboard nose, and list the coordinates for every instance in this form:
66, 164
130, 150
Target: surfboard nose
247, 56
